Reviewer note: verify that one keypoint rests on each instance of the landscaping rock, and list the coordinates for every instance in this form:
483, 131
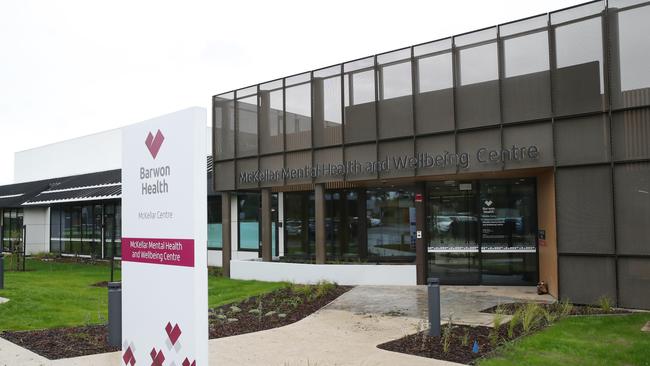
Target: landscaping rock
254, 311
646, 328
234, 309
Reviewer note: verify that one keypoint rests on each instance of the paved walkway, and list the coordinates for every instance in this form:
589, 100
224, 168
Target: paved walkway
346, 332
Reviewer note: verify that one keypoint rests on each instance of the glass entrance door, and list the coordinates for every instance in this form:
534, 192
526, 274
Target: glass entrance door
483, 232
453, 233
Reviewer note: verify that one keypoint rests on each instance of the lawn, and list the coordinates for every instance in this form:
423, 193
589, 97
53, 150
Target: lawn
590, 340
51, 295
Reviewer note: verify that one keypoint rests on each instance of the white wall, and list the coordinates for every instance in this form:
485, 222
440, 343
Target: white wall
87, 154
37, 220
343, 274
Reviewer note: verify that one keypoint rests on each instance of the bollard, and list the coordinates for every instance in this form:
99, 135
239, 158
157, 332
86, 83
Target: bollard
2, 270
433, 290
115, 313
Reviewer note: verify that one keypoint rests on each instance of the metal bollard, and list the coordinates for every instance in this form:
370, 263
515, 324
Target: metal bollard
433, 290
2, 270
115, 313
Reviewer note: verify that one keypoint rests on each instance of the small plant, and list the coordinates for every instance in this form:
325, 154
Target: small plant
514, 322
447, 334
566, 307
605, 304
464, 340
530, 317
549, 315
494, 332
323, 288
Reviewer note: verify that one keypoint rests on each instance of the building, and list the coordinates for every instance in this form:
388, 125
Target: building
506, 156
510, 155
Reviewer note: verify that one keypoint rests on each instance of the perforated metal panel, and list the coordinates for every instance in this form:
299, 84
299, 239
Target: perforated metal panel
632, 183
584, 210
634, 282
582, 140
584, 280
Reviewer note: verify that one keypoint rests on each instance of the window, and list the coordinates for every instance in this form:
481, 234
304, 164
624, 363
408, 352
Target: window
395, 94
12, 228
248, 210
359, 98
247, 122
328, 117
215, 238
298, 112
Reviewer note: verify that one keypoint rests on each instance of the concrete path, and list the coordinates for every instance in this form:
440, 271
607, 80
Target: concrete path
346, 332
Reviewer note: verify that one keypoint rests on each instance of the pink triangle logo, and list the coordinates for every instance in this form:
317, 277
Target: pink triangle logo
154, 143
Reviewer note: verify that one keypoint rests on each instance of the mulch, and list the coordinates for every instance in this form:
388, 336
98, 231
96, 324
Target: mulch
272, 310
511, 308
461, 343
462, 338
63, 342
60, 343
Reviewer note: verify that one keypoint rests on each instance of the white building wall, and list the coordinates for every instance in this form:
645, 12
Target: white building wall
37, 222
87, 154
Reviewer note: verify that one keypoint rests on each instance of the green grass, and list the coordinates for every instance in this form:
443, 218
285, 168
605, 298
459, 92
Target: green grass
593, 340
51, 295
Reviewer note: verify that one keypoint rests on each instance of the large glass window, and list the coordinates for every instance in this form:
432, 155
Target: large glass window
224, 126
271, 117
247, 122
299, 224
359, 98
298, 112
248, 205
328, 113
390, 215
630, 48
215, 238
77, 229
578, 83
477, 93
395, 94
526, 77
435, 95
342, 224
12, 228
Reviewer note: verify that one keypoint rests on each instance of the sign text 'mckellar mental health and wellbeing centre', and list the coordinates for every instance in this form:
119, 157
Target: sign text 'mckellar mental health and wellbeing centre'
351, 167
164, 241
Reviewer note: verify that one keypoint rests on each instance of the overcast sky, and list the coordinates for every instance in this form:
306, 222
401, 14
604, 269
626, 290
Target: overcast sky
72, 68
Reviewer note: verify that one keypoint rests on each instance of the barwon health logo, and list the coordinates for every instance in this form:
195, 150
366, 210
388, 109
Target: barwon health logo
154, 143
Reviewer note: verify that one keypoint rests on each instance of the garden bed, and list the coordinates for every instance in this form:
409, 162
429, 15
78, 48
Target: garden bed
272, 310
466, 344
460, 347
279, 307
511, 308
60, 343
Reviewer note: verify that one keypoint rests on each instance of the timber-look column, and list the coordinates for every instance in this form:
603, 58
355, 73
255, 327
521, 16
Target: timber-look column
267, 243
420, 227
226, 252
319, 196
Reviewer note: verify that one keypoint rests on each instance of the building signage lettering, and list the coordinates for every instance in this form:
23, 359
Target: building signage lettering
442, 160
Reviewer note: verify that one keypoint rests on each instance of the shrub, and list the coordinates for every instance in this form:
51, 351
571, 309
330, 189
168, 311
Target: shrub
530, 317
565, 308
446, 335
605, 304
464, 340
323, 288
494, 332
514, 322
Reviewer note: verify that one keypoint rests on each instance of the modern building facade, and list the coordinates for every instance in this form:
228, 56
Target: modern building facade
507, 156
510, 155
